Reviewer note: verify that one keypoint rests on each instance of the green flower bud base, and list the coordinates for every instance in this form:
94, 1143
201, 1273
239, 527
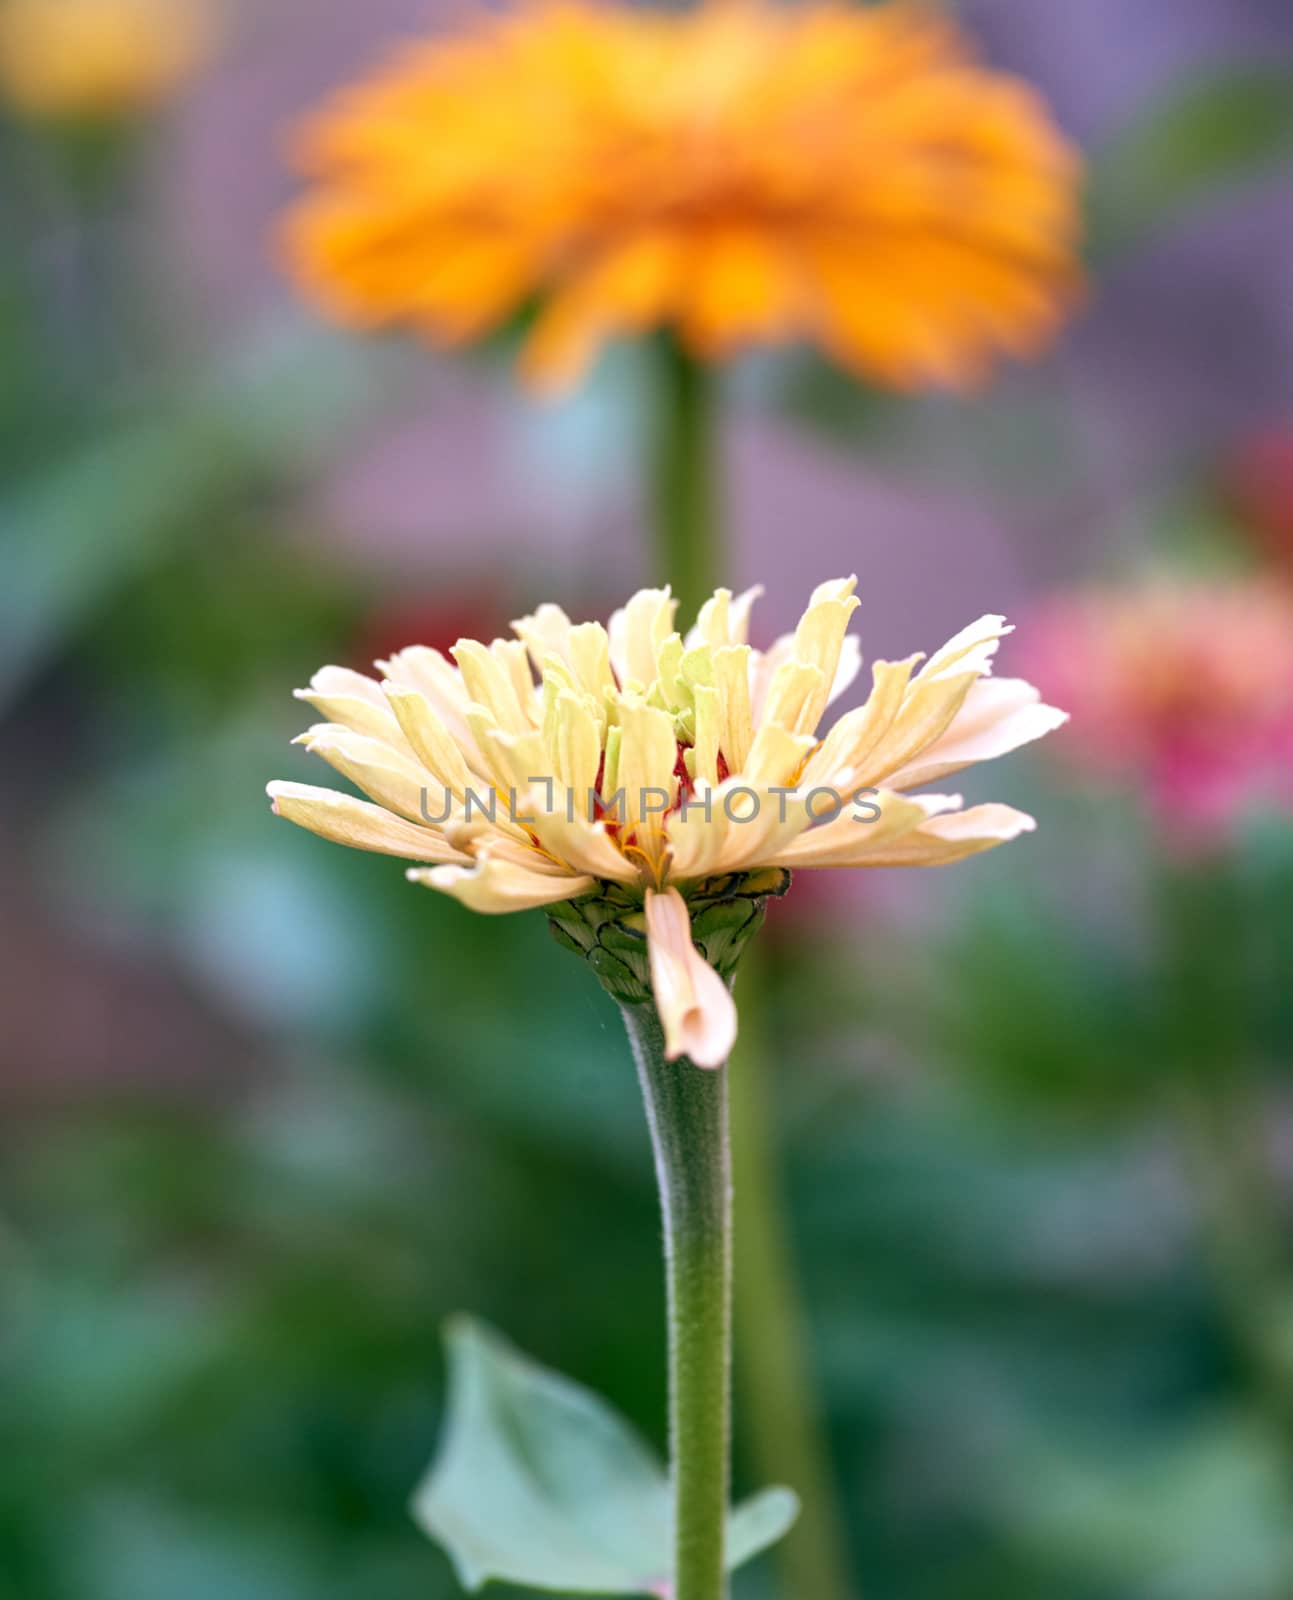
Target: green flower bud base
608, 928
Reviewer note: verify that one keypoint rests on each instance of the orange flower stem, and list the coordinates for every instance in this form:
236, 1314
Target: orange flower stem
685, 470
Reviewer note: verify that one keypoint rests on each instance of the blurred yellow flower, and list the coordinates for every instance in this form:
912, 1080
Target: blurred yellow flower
645, 774
98, 59
744, 173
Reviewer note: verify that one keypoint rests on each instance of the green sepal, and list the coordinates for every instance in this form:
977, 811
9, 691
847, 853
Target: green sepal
608, 927
540, 1483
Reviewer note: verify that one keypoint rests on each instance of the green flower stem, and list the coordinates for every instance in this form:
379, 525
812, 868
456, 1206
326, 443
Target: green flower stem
687, 1112
774, 1375
688, 550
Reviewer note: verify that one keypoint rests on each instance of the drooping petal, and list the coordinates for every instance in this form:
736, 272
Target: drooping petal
694, 1004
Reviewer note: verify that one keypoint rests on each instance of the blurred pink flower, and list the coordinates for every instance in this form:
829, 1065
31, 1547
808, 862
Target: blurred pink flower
1183, 687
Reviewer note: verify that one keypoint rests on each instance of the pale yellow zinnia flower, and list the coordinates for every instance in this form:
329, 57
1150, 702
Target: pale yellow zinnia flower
652, 790
93, 60
742, 173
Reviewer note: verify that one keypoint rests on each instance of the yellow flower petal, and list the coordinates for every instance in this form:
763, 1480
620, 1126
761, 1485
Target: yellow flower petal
944, 840
636, 634
796, 699
494, 885
379, 770
849, 745
546, 632
572, 741
645, 777
971, 650
346, 820
440, 682
776, 756
732, 679
999, 715
429, 739
490, 679
819, 641
590, 657
863, 827
572, 839
935, 699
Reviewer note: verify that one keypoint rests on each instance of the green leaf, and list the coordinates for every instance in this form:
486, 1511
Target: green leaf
540, 1483
1223, 129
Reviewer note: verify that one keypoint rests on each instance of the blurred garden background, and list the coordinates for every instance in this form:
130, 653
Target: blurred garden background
268, 1114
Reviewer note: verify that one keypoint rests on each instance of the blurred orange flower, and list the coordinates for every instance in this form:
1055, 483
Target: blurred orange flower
1187, 687
98, 59
744, 173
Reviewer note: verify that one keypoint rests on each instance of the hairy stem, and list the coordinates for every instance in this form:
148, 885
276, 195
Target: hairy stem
686, 1110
